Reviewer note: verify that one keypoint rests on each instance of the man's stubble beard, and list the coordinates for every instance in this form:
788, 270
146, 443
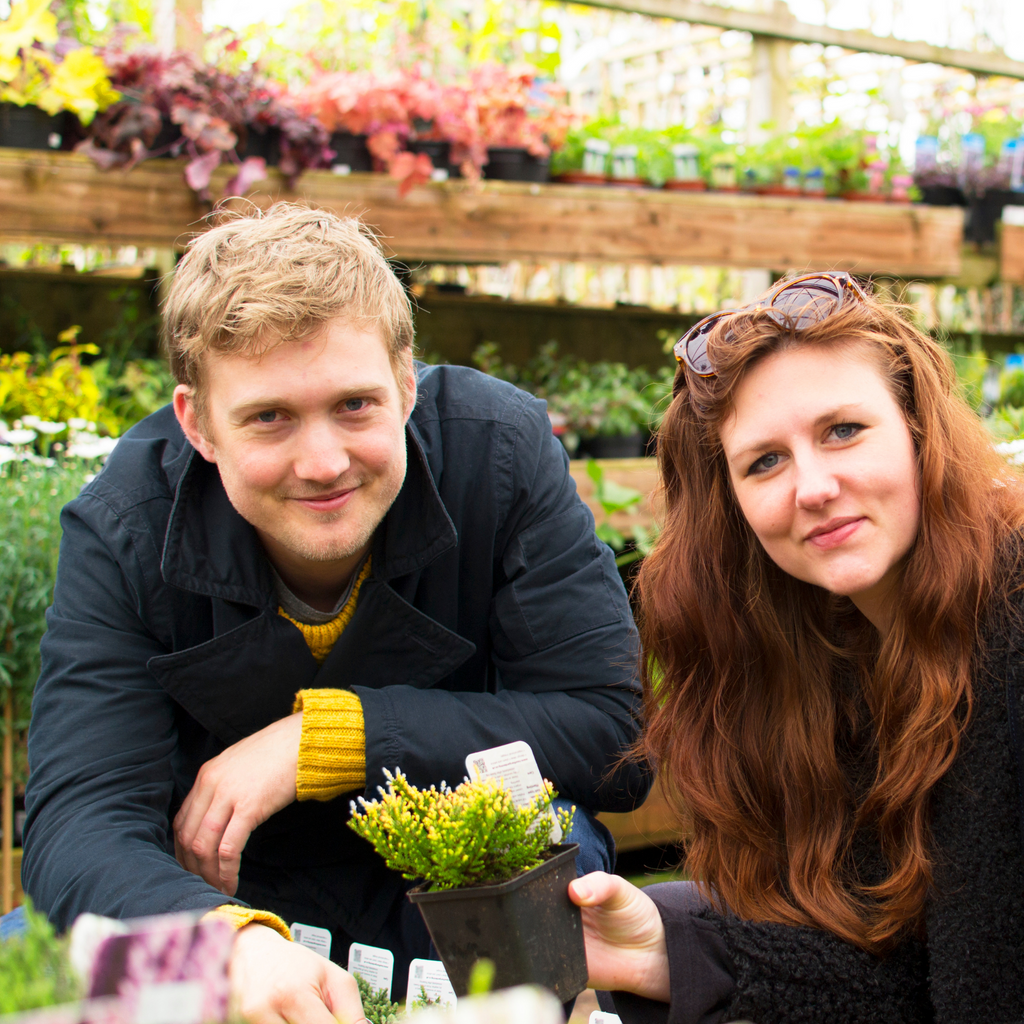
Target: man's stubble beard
336, 550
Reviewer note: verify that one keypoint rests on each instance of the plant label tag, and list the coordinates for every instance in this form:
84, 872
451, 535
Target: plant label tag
374, 965
600, 1017
429, 986
514, 765
169, 1002
316, 939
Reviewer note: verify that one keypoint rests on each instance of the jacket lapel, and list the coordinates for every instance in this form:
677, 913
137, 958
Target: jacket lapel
389, 641
241, 681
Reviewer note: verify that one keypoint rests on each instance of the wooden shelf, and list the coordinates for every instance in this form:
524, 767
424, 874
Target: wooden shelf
64, 197
1011, 253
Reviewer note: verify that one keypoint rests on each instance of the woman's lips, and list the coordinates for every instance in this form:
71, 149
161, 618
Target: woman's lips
832, 536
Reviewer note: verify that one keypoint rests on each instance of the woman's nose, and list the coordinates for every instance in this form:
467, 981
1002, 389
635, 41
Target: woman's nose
816, 483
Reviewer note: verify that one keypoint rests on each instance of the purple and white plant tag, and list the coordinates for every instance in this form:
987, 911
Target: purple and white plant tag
171, 969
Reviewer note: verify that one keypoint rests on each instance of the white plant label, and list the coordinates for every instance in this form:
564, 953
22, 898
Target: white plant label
514, 765
316, 939
170, 1002
430, 977
600, 1017
374, 965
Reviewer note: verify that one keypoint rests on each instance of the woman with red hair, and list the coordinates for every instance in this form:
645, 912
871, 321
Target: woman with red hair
833, 645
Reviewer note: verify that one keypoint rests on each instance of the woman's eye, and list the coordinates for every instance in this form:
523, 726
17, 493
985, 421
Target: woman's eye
763, 464
844, 431
267, 417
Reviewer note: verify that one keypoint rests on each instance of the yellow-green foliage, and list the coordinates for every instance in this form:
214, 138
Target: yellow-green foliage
29, 73
470, 835
57, 388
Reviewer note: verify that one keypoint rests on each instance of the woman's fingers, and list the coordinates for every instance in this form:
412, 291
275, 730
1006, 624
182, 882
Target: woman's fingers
623, 934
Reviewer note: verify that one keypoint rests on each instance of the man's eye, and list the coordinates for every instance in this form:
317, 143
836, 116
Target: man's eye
268, 416
355, 405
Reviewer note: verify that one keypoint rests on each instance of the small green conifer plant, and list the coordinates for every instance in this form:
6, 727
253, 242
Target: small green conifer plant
452, 838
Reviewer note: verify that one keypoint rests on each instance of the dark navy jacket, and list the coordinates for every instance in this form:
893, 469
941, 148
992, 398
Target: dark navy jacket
492, 614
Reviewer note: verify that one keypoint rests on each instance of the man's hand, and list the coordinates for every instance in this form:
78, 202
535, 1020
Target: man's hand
275, 981
624, 936
233, 793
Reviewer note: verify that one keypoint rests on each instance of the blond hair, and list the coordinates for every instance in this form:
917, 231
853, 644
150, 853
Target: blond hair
258, 279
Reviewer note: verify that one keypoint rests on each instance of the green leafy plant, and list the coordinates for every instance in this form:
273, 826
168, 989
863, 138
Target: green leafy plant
35, 971
613, 498
602, 398
377, 1005
31, 497
471, 835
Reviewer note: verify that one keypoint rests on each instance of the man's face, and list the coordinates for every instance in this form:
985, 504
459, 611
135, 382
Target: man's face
309, 439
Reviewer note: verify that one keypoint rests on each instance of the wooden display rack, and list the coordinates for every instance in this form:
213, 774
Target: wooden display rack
64, 197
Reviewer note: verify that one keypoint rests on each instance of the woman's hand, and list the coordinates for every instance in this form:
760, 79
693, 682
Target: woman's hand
624, 936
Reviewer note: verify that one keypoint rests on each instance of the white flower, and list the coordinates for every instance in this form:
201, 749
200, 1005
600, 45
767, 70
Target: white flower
19, 436
1013, 451
8, 454
77, 423
89, 446
45, 427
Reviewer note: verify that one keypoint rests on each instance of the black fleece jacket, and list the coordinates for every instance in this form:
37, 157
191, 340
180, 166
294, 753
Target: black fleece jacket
969, 967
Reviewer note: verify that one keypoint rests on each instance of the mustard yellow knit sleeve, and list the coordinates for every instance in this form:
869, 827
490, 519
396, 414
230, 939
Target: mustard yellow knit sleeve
238, 917
332, 750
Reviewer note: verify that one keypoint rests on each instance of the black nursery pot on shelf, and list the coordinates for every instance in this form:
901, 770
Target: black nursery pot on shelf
528, 927
350, 151
985, 211
265, 143
943, 195
439, 151
614, 446
29, 127
514, 163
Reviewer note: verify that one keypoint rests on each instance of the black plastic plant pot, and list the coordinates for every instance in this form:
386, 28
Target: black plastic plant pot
439, 151
350, 151
614, 446
514, 163
29, 127
528, 926
266, 143
942, 195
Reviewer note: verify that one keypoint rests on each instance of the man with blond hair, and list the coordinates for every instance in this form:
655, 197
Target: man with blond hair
320, 562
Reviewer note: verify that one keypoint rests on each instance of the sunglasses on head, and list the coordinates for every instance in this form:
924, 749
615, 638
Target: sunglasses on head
797, 304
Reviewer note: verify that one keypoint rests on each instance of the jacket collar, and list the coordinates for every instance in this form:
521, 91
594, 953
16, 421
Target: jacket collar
210, 549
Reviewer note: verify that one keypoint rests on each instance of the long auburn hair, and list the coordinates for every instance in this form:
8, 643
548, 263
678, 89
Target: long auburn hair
744, 704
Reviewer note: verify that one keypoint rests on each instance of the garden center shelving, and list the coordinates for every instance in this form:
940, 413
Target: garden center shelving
65, 197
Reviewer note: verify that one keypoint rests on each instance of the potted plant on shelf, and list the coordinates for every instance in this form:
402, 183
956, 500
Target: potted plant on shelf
177, 105
39, 85
521, 121
609, 406
493, 885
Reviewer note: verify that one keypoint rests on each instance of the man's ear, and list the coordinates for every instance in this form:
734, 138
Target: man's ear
186, 413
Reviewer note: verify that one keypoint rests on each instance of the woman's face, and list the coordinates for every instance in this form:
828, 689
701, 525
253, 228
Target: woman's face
824, 470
